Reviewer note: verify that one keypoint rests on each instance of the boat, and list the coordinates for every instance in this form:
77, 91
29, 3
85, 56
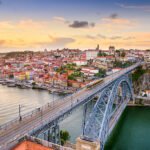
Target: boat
2, 81
27, 85
23, 86
10, 81
40, 87
11, 85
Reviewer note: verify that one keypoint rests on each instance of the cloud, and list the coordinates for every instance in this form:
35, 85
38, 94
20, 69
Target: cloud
51, 42
114, 21
141, 7
60, 41
115, 37
6, 25
60, 19
129, 38
107, 37
2, 42
91, 37
30, 24
81, 24
118, 21
113, 16
11, 43
102, 36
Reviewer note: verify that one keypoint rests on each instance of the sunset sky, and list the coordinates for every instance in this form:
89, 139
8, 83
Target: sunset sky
39, 24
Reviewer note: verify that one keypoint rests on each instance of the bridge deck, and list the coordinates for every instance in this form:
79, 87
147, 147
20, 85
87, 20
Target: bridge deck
12, 132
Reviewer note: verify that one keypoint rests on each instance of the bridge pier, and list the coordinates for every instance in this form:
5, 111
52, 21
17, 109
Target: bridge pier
87, 145
45, 136
51, 134
84, 116
55, 134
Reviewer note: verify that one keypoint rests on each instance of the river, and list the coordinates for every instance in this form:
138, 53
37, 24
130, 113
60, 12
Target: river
29, 99
132, 132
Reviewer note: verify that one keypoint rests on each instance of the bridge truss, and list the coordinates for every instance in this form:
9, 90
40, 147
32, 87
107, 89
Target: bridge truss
107, 110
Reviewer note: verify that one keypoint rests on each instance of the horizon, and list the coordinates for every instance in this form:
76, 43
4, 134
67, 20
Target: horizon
42, 50
47, 24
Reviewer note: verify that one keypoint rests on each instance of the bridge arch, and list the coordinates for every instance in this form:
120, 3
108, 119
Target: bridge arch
113, 98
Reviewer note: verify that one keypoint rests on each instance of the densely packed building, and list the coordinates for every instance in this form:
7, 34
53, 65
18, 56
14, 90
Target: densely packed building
66, 68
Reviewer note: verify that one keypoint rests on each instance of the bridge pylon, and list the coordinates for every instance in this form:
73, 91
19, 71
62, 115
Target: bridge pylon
82, 144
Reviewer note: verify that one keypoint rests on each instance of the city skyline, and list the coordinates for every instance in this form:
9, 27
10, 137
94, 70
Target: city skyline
39, 24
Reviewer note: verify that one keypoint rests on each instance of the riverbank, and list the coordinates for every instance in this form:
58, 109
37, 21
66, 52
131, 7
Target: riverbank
32, 85
138, 105
140, 102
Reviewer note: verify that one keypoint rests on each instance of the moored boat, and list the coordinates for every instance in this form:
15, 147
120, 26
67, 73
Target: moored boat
11, 85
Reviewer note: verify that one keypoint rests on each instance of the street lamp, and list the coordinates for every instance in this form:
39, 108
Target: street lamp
71, 100
41, 116
53, 99
20, 117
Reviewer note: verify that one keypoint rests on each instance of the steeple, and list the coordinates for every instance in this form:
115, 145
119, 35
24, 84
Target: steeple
97, 48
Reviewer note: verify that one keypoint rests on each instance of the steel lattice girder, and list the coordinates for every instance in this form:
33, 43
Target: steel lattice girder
96, 127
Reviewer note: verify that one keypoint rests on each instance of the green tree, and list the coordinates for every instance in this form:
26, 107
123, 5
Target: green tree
122, 64
101, 73
64, 136
11, 76
123, 54
71, 77
138, 73
74, 75
102, 54
118, 52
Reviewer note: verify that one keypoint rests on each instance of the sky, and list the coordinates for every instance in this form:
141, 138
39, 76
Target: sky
51, 24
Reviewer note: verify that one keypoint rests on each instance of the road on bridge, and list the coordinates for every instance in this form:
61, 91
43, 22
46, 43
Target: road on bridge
13, 132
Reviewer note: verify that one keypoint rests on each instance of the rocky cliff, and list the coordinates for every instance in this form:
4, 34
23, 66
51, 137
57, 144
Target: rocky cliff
143, 83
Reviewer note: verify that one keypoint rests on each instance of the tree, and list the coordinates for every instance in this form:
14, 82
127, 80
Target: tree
101, 73
64, 136
71, 77
122, 64
118, 52
11, 76
138, 73
74, 75
102, 54
123, 54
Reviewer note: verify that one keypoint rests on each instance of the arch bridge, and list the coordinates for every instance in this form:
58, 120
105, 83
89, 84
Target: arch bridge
107, 110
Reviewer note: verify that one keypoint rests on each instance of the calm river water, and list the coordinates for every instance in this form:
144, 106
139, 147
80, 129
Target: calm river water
29, 99
131, 133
